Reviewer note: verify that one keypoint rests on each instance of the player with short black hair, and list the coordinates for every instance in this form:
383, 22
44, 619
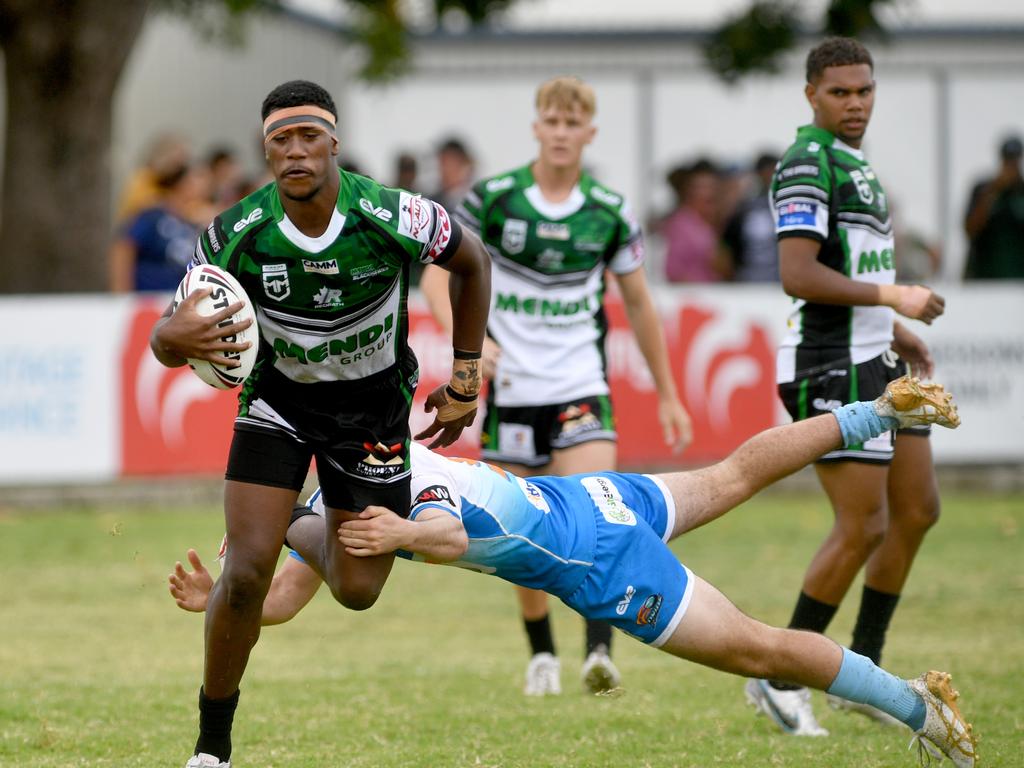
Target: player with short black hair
324, 255
837, 261
598, 542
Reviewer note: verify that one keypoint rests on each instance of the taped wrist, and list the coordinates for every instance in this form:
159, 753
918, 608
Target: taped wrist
462, 390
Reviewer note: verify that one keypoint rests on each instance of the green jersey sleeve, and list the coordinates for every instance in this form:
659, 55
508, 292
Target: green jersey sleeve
800, 193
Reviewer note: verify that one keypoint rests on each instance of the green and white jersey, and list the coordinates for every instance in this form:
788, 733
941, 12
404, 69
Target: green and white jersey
826, 191
330, 308
547, 282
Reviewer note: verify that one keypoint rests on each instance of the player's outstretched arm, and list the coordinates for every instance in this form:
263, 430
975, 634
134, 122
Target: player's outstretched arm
434, 287
291, 590
437, 535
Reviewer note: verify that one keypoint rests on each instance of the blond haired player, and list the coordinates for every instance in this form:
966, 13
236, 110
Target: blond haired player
553, 233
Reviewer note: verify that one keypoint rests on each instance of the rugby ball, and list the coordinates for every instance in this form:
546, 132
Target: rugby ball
225, 291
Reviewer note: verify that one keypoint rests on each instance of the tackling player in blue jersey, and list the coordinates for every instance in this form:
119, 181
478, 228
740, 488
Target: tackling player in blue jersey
597, 541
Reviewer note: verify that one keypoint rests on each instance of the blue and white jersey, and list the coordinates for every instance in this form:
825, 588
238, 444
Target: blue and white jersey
524, 531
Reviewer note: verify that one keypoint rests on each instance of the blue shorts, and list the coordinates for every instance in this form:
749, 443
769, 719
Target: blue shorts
635, 583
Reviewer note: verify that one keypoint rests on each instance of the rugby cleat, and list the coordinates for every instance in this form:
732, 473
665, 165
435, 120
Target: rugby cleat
912, 402
543, 676
945, 732
842, 705
599, 674
203, 760
789, 710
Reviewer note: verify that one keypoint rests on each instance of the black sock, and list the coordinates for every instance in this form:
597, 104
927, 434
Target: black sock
876, 609
215, 717
810, 614
598, 633
539, 633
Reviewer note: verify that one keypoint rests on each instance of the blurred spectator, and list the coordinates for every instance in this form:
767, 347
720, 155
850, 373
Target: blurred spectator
227, 179
164, 155
691, 230
455, 168
406, 170
995, 219
917, 260
750, 248
153, 247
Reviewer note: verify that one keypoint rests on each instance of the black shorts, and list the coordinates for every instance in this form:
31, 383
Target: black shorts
357, 432
527, 434
829, 385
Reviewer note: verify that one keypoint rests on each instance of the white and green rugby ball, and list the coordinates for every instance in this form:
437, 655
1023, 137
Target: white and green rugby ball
225, 291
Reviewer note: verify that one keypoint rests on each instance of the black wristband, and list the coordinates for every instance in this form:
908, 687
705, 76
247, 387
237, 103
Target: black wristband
459, 397
461, 354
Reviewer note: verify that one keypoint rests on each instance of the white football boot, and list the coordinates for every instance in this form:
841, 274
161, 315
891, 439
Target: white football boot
599, 674
203, 760
945, 732
842, 705
789, 710
543, 675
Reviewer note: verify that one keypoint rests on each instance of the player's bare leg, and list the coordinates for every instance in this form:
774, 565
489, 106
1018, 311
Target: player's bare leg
355, 582
713, 632
256, 518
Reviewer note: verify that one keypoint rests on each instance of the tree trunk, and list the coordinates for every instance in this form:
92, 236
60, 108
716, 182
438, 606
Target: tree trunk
63, 59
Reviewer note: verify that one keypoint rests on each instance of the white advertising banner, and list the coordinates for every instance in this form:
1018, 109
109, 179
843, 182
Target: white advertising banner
59, 388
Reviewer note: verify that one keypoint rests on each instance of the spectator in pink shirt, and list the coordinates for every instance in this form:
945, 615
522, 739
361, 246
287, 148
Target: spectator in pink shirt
691, 230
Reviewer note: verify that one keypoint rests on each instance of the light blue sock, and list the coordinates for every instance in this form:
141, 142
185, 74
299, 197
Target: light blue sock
860, 422
860, 680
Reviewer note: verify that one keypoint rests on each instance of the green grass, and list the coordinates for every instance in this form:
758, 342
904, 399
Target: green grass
99, 668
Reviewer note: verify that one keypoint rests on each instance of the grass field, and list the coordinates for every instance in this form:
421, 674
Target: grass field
99, 668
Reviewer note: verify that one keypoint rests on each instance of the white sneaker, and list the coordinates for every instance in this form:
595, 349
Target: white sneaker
543, 676
912, 402
945, 732
790, 710
843, 705
598, 673
203, 760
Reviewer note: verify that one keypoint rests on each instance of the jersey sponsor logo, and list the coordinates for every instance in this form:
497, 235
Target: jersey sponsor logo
549, 258
275, 281
608, 500
414, 217
435, 493
513, 235
591, 246
798, 170
367, 271
875, 261
375, 210
822, 404
382, 461
327, 267
533, 495
497, 185
508, 302
354, 347
442, 234
328, 297
623, 605
648, 613
253, 217
606, 197
211, 232
797, 214
551, 231
864, 191
813, 146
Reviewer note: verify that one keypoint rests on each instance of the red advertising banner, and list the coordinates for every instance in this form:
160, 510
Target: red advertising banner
173, 423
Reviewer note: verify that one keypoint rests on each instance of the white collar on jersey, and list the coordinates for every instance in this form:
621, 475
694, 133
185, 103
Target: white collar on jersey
550, 210
837, 144
313, 244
